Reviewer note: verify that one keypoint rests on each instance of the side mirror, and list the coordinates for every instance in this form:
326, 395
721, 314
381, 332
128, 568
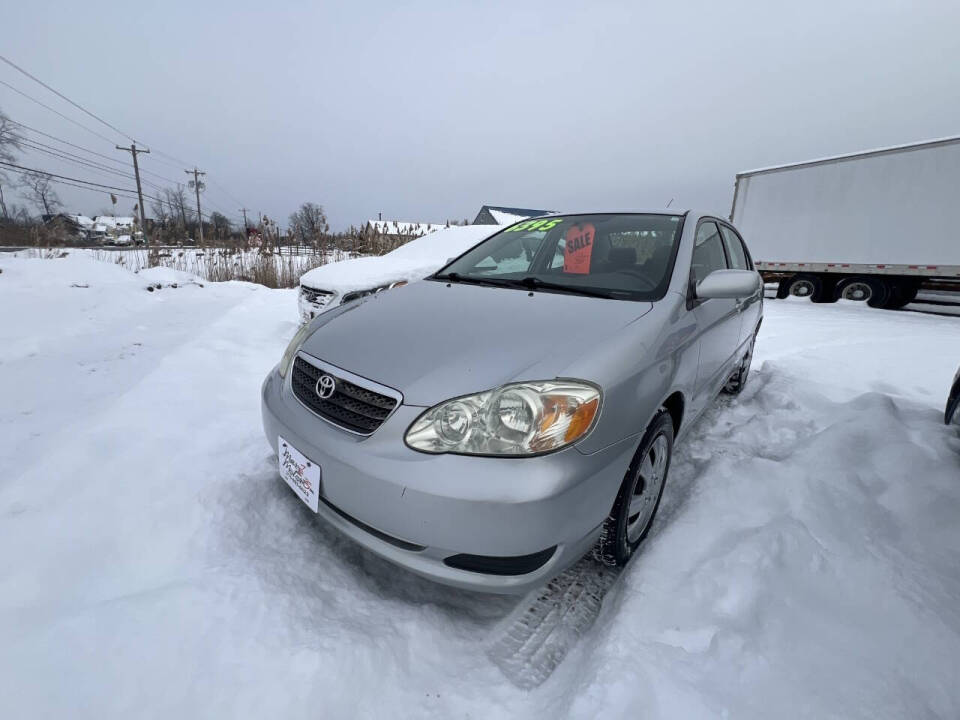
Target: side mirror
731, 284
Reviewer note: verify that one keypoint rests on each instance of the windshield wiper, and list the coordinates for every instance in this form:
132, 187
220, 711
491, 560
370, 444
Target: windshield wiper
535, 283
469, 279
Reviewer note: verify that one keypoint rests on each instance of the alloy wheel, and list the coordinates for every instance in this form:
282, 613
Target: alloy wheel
647, 490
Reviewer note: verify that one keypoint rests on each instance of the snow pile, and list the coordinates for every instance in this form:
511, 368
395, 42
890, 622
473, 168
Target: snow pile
806, 562
412, 261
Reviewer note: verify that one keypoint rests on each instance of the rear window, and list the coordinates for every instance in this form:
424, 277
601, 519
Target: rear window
735, 250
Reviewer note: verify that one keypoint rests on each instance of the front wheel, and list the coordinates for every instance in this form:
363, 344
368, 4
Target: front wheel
738, 380
639, 497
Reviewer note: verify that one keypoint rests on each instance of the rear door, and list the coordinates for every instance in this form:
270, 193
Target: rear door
718, 318
739, 259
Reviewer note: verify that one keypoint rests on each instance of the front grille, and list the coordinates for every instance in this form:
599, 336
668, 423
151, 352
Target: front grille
318, 298
351, 407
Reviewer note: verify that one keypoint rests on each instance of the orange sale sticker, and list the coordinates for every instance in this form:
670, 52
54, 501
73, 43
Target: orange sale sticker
578, 249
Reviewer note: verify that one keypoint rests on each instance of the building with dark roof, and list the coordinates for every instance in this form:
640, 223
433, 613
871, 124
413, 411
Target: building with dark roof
494, 215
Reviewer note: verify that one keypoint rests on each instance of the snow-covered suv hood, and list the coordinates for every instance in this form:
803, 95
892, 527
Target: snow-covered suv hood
413, 261
364, 273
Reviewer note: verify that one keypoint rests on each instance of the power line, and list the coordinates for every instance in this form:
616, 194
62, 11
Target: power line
55, 112
63, 97
70, 157
83, 162
64, 177
100, 120
84, 149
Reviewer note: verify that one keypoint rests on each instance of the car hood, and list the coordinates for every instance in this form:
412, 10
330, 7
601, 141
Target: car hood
433, 340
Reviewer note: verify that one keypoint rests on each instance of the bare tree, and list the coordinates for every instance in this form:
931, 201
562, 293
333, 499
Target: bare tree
160, 210
179, 204
9, 147
221, 224
9, 139
38, 187
308, 225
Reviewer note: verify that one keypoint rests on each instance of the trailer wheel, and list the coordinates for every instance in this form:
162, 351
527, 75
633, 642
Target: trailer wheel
827, 292
856, 288
783, 288
881, 293
901, 293
805, 286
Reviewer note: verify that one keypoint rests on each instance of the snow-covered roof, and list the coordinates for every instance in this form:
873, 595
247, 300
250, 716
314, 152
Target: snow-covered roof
400, 227
505, 218
506, 215
112, 221
81, 220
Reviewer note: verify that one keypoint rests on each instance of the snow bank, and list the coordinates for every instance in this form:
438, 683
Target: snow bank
412, 261
806, 562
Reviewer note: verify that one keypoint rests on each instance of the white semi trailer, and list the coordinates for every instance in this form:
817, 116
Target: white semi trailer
871, 226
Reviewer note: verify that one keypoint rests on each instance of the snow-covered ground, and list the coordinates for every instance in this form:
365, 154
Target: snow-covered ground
806, 561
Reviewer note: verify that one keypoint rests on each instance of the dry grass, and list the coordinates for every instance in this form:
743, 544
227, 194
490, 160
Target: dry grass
219, 265
212, 264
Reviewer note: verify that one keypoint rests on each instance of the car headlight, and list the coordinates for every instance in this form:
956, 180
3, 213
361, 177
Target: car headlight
291, 352
527, 418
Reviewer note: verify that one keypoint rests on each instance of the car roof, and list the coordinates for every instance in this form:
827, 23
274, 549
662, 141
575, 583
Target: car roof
624, 211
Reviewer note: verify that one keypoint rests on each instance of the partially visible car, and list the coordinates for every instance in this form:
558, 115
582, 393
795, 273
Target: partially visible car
328, 286
123, 240
953, 402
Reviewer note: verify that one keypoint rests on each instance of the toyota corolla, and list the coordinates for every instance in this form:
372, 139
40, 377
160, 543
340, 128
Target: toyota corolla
488, 427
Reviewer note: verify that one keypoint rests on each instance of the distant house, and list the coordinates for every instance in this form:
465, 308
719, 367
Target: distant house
75, 228
398, 231
493, 215
112, 222
114, 227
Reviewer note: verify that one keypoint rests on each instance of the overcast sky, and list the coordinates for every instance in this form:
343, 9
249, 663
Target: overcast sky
427, 110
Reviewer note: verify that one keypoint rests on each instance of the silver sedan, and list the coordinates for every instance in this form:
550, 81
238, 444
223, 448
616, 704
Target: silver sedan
488, 427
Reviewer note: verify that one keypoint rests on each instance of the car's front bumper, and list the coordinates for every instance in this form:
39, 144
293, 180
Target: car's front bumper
418, 510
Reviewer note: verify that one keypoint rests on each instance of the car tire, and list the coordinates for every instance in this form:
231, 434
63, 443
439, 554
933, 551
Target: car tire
639, 497
738, 380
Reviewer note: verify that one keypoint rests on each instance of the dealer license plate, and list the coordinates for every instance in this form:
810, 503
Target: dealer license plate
300, 473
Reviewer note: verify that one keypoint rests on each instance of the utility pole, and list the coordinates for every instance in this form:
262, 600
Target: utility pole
198, 186
244, 211
134, 150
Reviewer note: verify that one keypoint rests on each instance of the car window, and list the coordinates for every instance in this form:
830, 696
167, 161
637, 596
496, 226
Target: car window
708, 252
623, 255
735, 251
510, 257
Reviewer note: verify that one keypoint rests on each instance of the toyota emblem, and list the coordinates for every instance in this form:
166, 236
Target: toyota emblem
326, 386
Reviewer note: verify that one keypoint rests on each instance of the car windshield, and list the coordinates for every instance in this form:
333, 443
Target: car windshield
624, 256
